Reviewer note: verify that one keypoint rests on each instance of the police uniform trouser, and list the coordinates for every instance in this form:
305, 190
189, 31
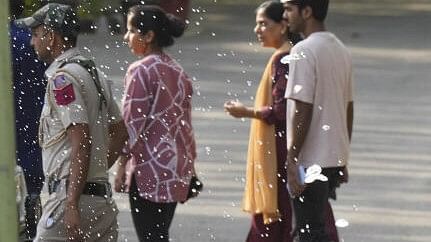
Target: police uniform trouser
98, 218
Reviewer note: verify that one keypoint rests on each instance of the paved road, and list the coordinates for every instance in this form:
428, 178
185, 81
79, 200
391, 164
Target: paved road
388, 198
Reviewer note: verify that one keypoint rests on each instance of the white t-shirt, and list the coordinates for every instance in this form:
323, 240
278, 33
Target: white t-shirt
320, 73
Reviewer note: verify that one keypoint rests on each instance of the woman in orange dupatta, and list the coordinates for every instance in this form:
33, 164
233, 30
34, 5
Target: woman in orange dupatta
266, 196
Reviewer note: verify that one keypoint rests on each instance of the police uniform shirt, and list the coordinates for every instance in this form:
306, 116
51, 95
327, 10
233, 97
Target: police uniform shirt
72, 98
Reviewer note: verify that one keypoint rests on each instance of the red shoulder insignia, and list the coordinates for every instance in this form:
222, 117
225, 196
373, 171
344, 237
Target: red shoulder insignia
64, 96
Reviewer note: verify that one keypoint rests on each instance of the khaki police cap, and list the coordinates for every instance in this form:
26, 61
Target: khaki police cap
59, 17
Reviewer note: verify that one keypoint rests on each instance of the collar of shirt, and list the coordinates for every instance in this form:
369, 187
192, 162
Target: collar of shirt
70, 53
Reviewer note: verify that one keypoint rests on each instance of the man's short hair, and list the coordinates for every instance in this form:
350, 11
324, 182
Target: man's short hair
58, 17
319, 7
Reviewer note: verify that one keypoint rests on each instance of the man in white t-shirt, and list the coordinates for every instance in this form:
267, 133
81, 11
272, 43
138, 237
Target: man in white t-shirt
319, 114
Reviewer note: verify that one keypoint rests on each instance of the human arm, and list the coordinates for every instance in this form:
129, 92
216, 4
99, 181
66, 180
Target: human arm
345, 175
300, 93
350, 119
117, 141
272, 113
79, 137
65, 97
300, 123
140, 86
120, 177
239, 110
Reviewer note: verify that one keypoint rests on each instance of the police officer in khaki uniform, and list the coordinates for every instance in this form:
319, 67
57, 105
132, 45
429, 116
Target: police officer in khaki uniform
78, 120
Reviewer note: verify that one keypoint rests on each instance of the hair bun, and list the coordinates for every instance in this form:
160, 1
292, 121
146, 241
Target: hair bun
176, 25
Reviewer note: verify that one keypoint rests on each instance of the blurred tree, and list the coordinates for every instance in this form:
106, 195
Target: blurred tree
88, 10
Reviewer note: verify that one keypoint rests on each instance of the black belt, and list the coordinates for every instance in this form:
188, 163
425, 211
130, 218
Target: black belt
98, 189
91, 188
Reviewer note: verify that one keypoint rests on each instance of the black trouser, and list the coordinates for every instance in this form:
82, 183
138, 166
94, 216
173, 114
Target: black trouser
33, 211
151, 220
310, 207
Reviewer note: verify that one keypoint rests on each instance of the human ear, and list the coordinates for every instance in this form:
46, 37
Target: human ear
149, 37
51, 37
307, 12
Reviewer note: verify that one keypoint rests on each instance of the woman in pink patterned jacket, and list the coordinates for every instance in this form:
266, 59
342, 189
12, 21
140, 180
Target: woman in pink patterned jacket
157, 113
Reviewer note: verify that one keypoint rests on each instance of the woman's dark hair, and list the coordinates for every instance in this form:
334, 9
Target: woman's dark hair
151, 17
274, 11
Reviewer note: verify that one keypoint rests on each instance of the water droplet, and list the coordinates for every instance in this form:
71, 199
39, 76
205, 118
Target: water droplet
341, 223
293, 57
207, 150
297, 88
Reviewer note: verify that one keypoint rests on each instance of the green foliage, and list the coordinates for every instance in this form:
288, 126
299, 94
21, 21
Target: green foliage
231, 2
30, 6
90, 9
86, 9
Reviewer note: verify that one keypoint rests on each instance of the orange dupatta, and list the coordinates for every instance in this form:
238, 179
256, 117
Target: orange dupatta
260, 195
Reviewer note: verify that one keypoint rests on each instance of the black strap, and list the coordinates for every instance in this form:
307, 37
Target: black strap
91, 68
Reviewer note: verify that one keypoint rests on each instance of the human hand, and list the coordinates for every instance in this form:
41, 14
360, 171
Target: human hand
235, 109
120, 179
295, 187
72, 223
344, 175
